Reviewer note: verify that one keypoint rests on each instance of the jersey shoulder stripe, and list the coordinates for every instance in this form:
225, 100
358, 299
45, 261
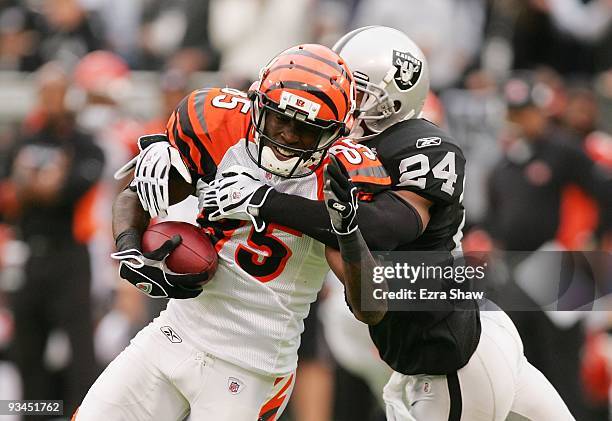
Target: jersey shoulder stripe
361, 163
227, 116
205, 124
183, 136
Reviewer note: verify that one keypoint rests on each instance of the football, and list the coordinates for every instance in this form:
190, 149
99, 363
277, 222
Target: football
195, 254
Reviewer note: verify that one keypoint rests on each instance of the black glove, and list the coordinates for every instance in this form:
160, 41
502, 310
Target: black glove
340, 197
148, 271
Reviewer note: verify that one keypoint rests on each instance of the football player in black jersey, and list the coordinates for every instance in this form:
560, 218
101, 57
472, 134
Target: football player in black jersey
448, 364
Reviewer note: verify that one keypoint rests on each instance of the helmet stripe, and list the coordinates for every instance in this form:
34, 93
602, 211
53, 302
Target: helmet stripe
313, 90
314, 72
331, 63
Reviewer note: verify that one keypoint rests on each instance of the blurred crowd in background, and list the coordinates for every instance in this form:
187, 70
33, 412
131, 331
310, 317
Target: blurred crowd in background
525, 87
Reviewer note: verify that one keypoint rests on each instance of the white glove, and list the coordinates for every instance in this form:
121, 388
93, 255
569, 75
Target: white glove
152, 172
238, 194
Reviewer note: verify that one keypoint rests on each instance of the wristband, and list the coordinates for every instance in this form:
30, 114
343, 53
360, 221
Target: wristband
351, 246
128, 239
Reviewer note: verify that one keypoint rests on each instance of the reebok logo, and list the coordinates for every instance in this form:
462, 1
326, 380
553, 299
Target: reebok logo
171, 334
428, 141
339, 207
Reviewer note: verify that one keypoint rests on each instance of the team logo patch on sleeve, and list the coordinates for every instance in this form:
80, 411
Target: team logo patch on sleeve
428, 141
408, 69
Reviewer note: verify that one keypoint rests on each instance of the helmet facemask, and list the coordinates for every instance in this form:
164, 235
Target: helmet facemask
302, 103
375, 103
300, 162
375, 107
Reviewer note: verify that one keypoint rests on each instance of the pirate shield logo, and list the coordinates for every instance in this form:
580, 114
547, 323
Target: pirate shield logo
408, 70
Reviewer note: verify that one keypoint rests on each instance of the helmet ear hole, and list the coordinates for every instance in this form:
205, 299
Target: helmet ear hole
397, 106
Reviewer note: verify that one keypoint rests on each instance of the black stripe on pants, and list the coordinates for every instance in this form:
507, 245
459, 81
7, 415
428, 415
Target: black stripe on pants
454, 392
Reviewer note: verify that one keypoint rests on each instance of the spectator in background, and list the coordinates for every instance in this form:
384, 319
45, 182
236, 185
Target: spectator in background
572, 36
163, 25
450, 32
474, 114
249, 32
525, 195
120, 23
54, 166
176, 34
587, 21
68, 32
579, 212
18, 37
536, 166
196, 50
102, 82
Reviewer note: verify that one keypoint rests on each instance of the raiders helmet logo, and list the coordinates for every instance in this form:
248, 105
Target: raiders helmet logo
408, 70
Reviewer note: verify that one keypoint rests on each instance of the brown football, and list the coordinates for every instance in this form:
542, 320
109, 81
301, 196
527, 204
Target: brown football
195, 254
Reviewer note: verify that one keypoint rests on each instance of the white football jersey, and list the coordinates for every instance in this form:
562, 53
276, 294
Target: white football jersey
251, 313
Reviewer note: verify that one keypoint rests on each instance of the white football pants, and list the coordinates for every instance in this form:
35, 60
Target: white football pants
496, 384
161, 377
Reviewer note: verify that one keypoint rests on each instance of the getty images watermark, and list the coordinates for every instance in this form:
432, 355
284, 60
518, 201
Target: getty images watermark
514, 281
430, 278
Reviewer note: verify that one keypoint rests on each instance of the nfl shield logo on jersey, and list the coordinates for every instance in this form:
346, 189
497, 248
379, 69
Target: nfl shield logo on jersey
234, 385
408, 69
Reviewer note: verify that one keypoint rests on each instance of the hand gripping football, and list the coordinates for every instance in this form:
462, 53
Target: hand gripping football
195, 254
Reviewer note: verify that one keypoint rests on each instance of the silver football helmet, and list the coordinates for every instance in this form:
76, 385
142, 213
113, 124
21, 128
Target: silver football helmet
391, 72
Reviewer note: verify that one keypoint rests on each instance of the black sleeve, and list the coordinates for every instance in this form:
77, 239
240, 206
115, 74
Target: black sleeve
304, 215
385, 223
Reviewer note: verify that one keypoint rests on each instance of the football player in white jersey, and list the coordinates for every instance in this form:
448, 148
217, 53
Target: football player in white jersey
449, 363
226, 348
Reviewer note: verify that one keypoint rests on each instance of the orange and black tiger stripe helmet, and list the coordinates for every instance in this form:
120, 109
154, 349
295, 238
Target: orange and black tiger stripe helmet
312, 84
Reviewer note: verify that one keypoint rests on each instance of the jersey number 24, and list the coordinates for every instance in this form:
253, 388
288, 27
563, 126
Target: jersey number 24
413, 171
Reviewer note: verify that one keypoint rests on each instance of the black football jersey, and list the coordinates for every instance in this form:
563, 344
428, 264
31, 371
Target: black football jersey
422, 158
